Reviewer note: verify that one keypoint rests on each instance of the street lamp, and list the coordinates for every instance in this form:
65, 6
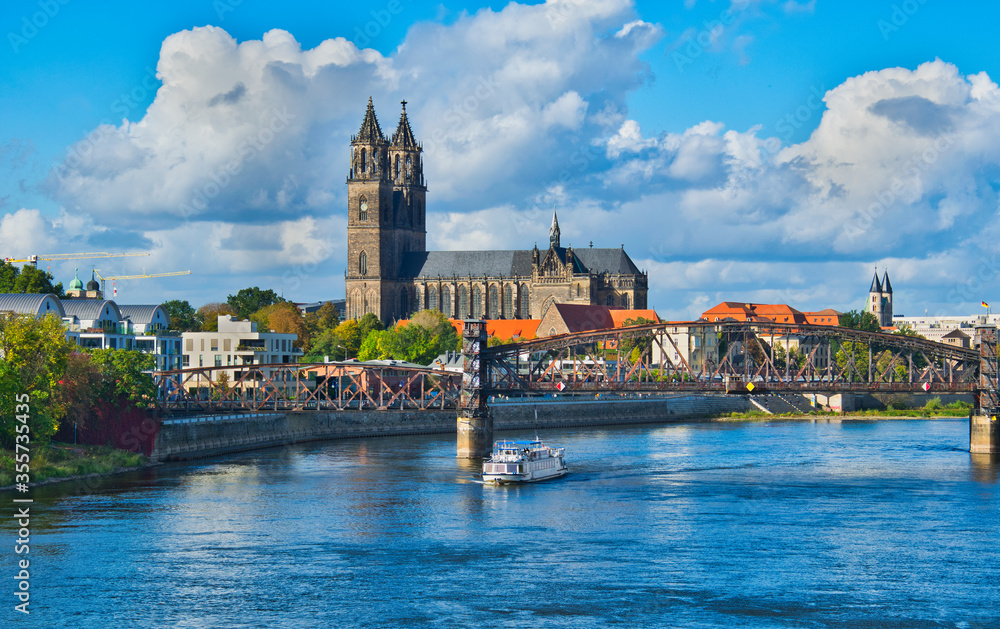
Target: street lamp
345, 351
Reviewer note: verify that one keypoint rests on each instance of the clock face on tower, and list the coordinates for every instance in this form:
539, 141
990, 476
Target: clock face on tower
364, 206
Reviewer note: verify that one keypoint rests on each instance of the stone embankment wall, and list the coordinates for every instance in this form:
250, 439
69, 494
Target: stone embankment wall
880, 401
193, 437
521, 415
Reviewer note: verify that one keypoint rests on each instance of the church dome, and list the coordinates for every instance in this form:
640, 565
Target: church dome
92, 284
76, 284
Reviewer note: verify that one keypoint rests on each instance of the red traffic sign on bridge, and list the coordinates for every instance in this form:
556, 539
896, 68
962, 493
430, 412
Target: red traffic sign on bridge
560, 386
926, 386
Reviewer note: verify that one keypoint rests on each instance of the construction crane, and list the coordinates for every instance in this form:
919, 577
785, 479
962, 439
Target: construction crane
33, 260
140, 276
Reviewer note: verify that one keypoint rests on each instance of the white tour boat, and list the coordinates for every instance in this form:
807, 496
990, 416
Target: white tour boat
523, 462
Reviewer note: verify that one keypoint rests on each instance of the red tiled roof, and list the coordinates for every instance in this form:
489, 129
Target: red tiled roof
778, 313
522, 329
620, 316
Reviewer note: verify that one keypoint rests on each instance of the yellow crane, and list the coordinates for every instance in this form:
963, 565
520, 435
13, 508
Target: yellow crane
33, 260
140, 276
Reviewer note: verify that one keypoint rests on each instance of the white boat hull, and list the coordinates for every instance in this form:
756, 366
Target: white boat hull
505, 479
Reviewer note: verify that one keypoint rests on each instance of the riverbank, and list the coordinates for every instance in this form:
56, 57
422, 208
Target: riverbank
932, 410
59, 462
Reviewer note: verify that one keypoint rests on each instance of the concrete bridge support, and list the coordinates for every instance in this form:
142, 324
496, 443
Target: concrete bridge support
984, 434
475, 422
983, 423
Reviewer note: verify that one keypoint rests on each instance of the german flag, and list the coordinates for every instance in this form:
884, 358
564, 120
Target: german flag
985, 305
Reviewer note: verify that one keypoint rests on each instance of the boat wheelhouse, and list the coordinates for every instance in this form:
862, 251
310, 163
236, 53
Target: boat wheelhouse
523, 462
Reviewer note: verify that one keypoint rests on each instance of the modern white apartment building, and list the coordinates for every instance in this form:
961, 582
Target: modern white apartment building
937, 328
238, 343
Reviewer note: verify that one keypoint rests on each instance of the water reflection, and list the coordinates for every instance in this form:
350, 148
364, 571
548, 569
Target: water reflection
985, 467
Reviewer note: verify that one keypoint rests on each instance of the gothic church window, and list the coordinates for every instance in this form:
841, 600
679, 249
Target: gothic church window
625, 301
463, 302
494, 304
524, 301
508, 302
610, 300
404, 303
364, 161
446, 301
477, 302
432, 298
363, 208
363, 264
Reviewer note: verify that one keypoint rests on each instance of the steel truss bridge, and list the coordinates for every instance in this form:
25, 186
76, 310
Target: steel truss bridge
657, 358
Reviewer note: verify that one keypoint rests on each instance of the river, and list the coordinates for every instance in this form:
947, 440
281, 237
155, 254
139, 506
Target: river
736, 524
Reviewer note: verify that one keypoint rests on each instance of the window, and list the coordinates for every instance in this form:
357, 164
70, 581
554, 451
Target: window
625, 300
610, 301
477, 302
227, 345
363, 208
463, 302
364, 161
218, 360
202, 344
215, 345
446, 301
493, 307
189, 345
508, 302
187, 361
432, 298
404, 303
524, 301
397, 167
363, 264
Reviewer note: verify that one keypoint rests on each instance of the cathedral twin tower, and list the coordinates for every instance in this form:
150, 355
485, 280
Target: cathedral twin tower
391, 274
386, 216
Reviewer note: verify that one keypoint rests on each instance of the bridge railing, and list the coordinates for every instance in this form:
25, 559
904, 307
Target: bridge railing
313, 386
733, 357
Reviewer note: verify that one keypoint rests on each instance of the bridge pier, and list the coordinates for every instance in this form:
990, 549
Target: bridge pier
475, 421
984, 434
983, 423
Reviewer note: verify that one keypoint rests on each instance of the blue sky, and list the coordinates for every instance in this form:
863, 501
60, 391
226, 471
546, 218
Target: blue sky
746, 150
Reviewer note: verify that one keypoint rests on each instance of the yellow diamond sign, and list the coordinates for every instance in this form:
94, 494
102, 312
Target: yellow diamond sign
750, 386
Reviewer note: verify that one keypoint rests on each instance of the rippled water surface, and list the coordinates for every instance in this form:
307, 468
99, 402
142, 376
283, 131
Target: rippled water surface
854, 524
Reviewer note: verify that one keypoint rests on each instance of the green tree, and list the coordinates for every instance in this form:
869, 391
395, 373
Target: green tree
209, 315
249, 300
34, 357
27, 279
643, 344
863, 320
368, 323
183, 317
326, 318
377, 345
127, 375
82, 386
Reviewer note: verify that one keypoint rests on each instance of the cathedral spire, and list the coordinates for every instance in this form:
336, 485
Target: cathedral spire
554, 230
876, 284
403, 137
370, 132
886, 286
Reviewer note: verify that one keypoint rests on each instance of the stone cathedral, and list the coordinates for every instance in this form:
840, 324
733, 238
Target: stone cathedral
390, 272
